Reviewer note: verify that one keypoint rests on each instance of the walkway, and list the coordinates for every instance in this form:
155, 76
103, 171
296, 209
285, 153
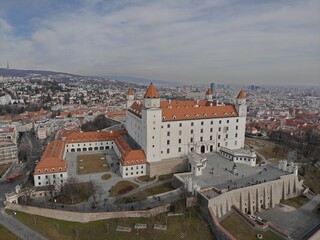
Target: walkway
19, 229
296, 222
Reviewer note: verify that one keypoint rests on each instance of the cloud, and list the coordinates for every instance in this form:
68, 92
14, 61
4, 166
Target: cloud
221, 41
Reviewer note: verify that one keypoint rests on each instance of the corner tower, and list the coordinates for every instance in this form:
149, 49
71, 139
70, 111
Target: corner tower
130, 98
241, 104
151, 124
209, 95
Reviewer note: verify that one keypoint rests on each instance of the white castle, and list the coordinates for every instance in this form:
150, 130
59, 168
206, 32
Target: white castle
167, 130
159, 136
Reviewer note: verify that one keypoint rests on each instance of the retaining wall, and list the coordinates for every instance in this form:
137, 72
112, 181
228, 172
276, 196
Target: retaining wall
86, 217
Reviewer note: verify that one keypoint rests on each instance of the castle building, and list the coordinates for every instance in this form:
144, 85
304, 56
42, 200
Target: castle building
167, 130
159, 136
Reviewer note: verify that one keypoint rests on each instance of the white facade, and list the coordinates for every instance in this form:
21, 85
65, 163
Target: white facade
161, 138
88, 146
58, 178
133, 170
239, 156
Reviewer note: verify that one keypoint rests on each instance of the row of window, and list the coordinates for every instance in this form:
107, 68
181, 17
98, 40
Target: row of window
47, 182
84, 144
46, 176
202, 123
53, 169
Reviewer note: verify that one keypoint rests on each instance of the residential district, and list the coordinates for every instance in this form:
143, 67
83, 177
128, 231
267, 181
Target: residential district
81, 149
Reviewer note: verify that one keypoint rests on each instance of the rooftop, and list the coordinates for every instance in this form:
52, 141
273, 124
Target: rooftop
218, 174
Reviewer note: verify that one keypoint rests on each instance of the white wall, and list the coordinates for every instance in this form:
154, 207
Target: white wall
133, 171
57, 178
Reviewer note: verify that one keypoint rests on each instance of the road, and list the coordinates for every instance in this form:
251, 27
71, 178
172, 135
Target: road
19, 229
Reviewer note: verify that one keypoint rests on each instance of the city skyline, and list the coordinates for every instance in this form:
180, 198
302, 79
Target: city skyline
274, 42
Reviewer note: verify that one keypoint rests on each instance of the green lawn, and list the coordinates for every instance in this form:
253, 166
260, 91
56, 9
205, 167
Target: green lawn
146, 178
311, 178
242, 231
166, 187
122, 187
6, 234
192, 226
316, 209
106, 176
295, 202
92, 163
4, 168
165, 176
142, 195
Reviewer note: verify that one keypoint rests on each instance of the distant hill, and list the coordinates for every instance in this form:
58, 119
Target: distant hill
138, 80
24, 73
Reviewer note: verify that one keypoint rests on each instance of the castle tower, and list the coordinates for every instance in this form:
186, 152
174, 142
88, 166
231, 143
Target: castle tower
151, 124
241, 104
209, 95
241, 108
130, 98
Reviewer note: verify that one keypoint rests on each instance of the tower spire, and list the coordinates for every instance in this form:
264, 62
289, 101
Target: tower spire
7, 64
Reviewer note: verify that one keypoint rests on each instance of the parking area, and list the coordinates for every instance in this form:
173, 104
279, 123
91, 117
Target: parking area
295, 221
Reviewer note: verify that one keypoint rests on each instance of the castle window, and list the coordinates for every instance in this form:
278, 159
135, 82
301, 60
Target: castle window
168, 150
237, 120
53, 169
168, 134
168, 125
227, 121
179, 149
211, 129
196, 115
191, 131
191, 123
201, 130
180, 124
186, 116
205, 115
220, 122
236, 135
174, 117
168, 142
202, 123
201, 139
163, 118
179, 140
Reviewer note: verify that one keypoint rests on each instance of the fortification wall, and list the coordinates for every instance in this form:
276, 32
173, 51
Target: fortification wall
85, 217
166, 166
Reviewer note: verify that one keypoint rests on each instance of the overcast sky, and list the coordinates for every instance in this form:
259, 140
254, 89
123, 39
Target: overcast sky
193, 41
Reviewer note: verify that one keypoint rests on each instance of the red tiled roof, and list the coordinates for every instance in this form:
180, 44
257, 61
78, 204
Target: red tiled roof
128, 155
186, 110
130, 92
94, 136
151, 92
52, 159
242, 94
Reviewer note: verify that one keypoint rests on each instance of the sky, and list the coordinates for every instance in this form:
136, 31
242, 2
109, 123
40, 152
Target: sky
191, 41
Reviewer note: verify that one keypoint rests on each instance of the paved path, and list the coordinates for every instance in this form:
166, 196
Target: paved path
296, 222
19, 229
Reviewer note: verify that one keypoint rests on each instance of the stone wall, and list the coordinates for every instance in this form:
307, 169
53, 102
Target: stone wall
254, 198
173, 165
220, 232
85, 217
